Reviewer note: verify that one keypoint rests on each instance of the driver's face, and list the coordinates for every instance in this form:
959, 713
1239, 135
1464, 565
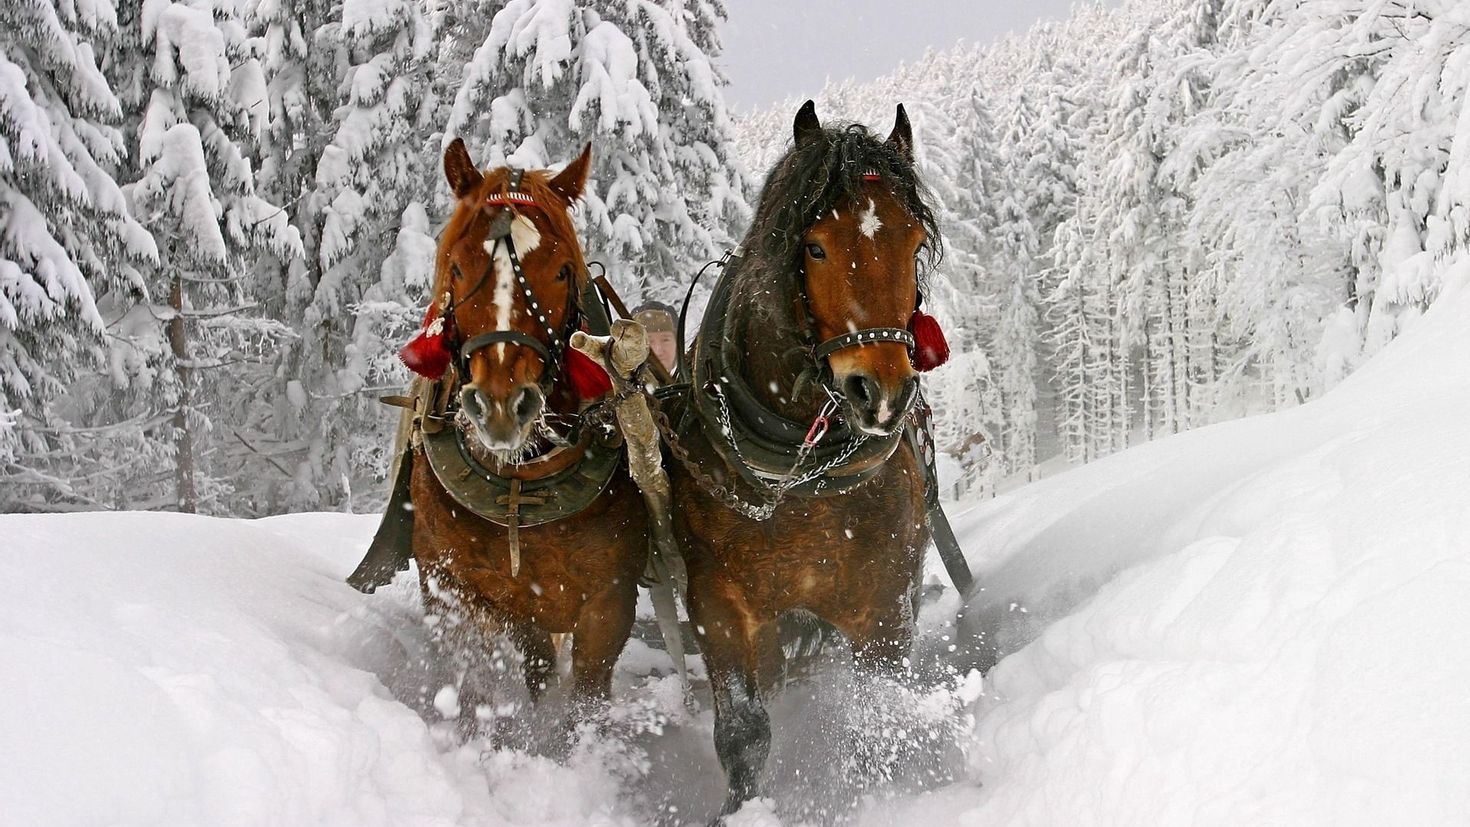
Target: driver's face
662, 343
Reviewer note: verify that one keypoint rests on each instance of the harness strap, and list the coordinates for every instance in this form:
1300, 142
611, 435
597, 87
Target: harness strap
681, 370
511, 337
513, 520
598, 323
949, 550
921, 436
514, 500
866, 336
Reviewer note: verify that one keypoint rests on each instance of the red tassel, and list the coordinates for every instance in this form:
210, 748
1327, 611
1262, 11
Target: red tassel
930, 348
588, 378
427, 353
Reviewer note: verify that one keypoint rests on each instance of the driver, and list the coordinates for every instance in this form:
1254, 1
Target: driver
659, 320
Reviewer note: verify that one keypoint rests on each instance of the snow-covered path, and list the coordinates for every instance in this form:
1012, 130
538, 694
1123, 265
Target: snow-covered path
1262, 622
170, 669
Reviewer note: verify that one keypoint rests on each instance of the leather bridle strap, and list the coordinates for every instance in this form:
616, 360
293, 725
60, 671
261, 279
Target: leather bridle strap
509, 337
501, 233
867, 336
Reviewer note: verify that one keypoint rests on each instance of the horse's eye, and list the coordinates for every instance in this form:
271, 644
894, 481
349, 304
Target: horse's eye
816, 252
566, 273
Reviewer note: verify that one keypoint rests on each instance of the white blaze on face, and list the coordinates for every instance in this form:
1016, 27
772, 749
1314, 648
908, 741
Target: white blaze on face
868, 223
526, 238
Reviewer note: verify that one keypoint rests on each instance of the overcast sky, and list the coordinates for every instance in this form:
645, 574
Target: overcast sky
780, 48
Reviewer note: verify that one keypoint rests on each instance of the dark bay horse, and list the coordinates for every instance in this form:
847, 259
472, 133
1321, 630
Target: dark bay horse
510, 287
798, 490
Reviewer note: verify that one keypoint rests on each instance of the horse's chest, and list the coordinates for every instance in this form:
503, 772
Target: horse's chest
867, 540
562, 563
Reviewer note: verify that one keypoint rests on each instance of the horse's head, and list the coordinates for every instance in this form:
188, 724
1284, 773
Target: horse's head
509, 274
866, 228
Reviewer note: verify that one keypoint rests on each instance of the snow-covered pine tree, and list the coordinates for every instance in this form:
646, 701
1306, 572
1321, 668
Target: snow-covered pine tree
297, 43
1132, 232
970, 219
1378, 86
65, 234
195, 92
1045, 169
1017, 336
636, 78
1070, 331
368, 195
1078, 305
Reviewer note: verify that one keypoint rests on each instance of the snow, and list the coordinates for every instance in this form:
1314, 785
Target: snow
189, 670
1260, 622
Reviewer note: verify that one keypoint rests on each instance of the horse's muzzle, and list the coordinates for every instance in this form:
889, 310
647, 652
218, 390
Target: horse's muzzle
503, 425
877, 408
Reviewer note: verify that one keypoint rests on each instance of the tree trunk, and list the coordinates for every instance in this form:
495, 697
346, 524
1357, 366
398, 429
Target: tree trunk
183, 438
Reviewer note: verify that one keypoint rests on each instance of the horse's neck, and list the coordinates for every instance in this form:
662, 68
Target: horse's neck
765, 342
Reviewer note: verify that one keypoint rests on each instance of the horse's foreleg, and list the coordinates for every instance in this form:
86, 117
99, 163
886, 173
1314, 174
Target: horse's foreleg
464, 633
732, 651
602, 630
881, 641
538, 657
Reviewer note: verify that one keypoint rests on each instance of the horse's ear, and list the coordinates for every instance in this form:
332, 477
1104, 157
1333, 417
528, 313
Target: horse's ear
902, 136
806, 126
571, 182
460, 170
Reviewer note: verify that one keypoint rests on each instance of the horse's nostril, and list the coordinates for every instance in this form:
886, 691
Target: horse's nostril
527, 405
471, 401
862, 390
909, 392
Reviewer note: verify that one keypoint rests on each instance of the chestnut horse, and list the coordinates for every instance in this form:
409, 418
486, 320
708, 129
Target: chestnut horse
797, 490
510, 277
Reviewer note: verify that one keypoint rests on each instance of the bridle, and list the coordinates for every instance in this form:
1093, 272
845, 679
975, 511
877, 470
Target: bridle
552, 349
773, 455
820, 350
855, 338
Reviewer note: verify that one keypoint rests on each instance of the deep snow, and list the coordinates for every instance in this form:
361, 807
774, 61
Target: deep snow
1261, 622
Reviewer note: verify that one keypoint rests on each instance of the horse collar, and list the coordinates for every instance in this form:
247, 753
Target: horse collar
760, 444
568, 485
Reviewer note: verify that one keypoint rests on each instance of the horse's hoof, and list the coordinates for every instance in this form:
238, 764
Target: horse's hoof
735, 803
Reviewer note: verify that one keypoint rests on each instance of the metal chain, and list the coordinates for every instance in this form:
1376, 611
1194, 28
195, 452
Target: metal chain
772, 494
711, 486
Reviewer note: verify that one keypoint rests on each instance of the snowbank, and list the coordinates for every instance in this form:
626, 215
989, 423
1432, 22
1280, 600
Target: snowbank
1262, 622
169, 669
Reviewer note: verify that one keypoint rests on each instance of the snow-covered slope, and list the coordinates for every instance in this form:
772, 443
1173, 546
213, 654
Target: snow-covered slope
166, 669
1263, 622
